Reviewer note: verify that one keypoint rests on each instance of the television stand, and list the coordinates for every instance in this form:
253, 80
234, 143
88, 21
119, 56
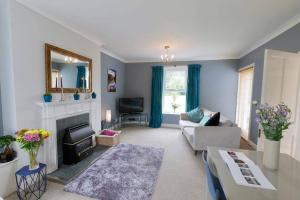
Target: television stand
133, 118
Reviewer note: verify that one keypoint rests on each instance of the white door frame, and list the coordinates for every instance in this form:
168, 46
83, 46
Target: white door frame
260, 141
252, 65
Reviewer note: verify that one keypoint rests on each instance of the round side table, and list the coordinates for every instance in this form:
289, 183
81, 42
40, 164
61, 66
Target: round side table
31, 184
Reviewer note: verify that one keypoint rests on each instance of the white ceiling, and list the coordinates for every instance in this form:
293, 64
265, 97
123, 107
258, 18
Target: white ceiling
137, 30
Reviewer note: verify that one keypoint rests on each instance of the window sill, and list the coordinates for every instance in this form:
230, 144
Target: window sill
171, 113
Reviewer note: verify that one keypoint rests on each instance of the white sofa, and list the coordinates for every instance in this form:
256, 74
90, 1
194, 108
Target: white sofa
227, 134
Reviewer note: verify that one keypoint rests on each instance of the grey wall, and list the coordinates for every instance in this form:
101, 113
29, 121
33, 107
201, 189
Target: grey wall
287, 41
109, 99
218, 85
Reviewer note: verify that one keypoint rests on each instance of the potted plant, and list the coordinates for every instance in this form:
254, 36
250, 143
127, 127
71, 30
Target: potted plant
94, 95
30, 141
47, 97
174, 104
76, 95
8, 165
8, 153
273, 120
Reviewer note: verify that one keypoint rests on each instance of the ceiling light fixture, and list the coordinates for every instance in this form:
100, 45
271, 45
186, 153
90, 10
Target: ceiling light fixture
166, 57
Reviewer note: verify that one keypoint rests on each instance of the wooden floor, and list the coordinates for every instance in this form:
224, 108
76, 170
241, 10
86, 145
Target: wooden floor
245, 145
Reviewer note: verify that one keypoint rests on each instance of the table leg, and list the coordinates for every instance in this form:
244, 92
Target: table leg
140, 120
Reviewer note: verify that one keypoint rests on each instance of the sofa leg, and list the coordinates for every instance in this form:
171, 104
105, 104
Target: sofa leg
196, 152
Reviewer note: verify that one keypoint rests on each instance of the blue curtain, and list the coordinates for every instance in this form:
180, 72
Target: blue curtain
80, 76
193, 85
156, 97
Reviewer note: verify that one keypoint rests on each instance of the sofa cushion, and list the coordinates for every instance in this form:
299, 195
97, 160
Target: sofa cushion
227, 123
204, 119
214, 120
186, 123
208, 112
195, 115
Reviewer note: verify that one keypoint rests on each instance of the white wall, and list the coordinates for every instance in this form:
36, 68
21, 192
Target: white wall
6, 70
30, 31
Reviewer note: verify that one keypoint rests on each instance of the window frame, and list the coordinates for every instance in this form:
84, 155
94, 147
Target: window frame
173, 68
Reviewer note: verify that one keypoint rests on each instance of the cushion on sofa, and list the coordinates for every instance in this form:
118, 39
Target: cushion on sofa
204, 119
195, 115
208, 112
187, 123
227, 123
214, 120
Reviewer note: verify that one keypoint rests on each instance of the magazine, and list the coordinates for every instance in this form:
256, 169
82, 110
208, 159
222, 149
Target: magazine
244, 171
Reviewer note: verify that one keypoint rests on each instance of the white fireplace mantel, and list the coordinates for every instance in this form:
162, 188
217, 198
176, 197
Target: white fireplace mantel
53, 111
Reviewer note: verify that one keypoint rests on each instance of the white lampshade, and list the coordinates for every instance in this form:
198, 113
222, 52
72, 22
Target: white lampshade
108, 116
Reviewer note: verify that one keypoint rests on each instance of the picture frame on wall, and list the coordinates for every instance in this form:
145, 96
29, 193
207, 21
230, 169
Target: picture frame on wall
111, 80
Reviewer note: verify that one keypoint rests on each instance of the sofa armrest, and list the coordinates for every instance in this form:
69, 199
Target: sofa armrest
183, 116
217, 136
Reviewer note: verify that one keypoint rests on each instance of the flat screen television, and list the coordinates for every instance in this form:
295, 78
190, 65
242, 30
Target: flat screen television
131, 105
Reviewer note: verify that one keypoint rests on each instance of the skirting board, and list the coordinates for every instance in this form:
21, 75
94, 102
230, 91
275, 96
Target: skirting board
170, 126
252, 144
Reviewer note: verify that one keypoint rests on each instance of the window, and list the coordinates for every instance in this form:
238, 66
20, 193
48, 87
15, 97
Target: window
174, 91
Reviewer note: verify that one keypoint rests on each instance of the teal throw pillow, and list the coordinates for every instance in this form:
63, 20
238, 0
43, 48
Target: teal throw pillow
204, 119
195, 115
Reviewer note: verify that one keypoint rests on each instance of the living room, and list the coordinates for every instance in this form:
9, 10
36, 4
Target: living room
158, 101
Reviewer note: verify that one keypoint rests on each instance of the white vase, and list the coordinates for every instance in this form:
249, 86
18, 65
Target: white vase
7, 175
271, 154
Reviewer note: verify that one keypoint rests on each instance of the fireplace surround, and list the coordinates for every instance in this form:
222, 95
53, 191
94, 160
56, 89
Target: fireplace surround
51, 114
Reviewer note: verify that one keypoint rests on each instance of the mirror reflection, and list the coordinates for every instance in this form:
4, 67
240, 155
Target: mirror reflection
69, 72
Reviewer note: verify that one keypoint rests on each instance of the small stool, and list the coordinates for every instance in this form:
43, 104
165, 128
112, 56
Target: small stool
31, 184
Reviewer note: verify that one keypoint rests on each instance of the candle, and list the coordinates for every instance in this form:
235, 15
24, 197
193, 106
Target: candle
108, 116
82, 82
56, 81
61, 81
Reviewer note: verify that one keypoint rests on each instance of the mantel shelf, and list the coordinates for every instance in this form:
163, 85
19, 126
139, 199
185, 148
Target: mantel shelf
69, 102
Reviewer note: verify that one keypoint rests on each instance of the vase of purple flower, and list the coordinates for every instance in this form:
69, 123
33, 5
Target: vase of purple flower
273, 120
31, 140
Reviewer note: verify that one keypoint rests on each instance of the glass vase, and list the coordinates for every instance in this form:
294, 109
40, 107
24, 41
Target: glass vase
33, 164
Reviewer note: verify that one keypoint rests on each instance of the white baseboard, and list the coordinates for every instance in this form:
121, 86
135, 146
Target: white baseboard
170, 126
252, 144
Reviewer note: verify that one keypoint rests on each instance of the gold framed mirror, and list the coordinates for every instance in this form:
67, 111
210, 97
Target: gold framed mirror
68, 70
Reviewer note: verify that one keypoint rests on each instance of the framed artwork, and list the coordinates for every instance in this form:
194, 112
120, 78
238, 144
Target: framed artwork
111, 80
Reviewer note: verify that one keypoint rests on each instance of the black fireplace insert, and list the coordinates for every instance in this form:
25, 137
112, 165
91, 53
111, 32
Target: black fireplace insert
77, 143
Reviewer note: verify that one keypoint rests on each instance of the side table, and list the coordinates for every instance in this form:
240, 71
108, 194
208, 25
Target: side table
31, 184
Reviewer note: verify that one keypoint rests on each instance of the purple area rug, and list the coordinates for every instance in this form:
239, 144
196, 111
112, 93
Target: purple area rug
124, 172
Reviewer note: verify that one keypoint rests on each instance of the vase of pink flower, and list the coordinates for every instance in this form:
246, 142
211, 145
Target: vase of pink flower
273, 120
30, 141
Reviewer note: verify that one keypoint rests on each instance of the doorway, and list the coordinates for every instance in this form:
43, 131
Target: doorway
244, 99
281, 83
